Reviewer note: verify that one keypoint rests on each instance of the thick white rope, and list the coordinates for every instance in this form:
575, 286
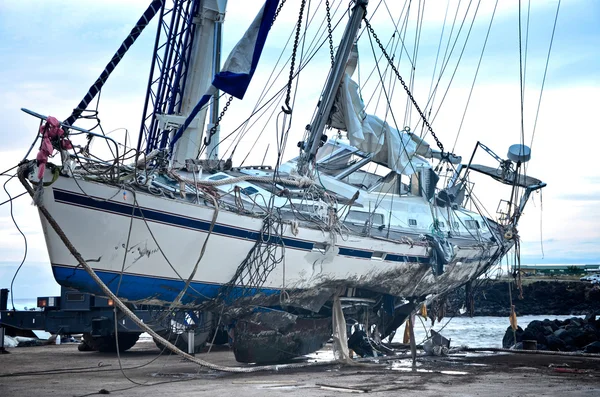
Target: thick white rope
300, 181
136, 320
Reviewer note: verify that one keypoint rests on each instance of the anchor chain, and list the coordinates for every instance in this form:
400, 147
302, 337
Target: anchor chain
410, 96
287, 108
329, 31
277, 12
213, 129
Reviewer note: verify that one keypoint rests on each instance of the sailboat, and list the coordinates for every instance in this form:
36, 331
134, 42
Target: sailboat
360, 218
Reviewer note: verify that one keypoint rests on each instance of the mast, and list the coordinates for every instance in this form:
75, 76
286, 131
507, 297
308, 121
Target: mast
317, 125
212, 150
182, 70
200, 76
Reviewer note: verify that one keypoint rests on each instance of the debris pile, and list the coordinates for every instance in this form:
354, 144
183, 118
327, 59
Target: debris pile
572, 334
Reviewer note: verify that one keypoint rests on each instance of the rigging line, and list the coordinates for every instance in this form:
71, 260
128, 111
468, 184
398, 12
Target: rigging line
522, 85
133, 191
267, 87
412, 63
12, 216
378, 86
487, 35
421, 13
431, 99
205, 107
159, 246
393, 82
401, 39
545, 71
123, 269
314, 41
390, 41
417, 45
406, 108
389, 105
273, 104
285, 132
457, 63
12, 198
526, 49
311, 56
8, 170
294, 50
359, 35
438, 50
285, 136
397, 73
392, 85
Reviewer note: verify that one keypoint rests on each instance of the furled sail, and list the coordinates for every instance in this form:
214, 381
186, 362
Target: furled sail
238, 69
370, 134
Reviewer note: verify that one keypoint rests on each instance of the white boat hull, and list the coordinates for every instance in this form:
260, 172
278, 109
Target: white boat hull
97, 218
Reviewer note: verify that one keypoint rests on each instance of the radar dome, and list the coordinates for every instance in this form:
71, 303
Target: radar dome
519, 153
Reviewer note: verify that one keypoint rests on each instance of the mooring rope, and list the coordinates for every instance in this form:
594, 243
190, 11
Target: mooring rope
299, 182
539, 352
135, 319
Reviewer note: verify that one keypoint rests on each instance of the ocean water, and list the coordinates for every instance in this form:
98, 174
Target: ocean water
473, 332
481, 331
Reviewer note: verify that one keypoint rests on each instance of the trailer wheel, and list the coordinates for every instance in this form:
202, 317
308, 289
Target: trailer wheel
181, 340
108, 344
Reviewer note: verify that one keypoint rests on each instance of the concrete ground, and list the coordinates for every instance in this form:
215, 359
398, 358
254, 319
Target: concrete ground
64, 371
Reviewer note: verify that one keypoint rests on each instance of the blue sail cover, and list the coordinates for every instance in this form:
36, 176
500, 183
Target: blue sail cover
240, 65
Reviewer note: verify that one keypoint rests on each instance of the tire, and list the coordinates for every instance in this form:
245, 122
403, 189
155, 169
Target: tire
221, 337
108, 344
179, 337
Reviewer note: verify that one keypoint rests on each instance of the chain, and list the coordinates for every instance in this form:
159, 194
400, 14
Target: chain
287, 109
330, 35
410, 96
213, 129
277, 12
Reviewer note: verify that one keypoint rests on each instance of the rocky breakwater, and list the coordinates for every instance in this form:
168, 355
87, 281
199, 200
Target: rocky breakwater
572, 334
491, 298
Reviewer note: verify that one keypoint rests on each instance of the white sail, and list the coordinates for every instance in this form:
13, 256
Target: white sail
399, 150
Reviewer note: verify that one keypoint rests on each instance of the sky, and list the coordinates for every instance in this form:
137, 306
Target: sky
52, 51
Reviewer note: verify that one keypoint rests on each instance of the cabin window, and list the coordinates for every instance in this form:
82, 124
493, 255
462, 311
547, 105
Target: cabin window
337, 162
455, 225
249, 191
371, 175
472, 224
362, 217
412, 222
326, 152
392, 184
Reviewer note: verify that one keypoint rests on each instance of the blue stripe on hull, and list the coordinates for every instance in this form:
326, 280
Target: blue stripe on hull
170, 219
137, 287
178, 220
404, 258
